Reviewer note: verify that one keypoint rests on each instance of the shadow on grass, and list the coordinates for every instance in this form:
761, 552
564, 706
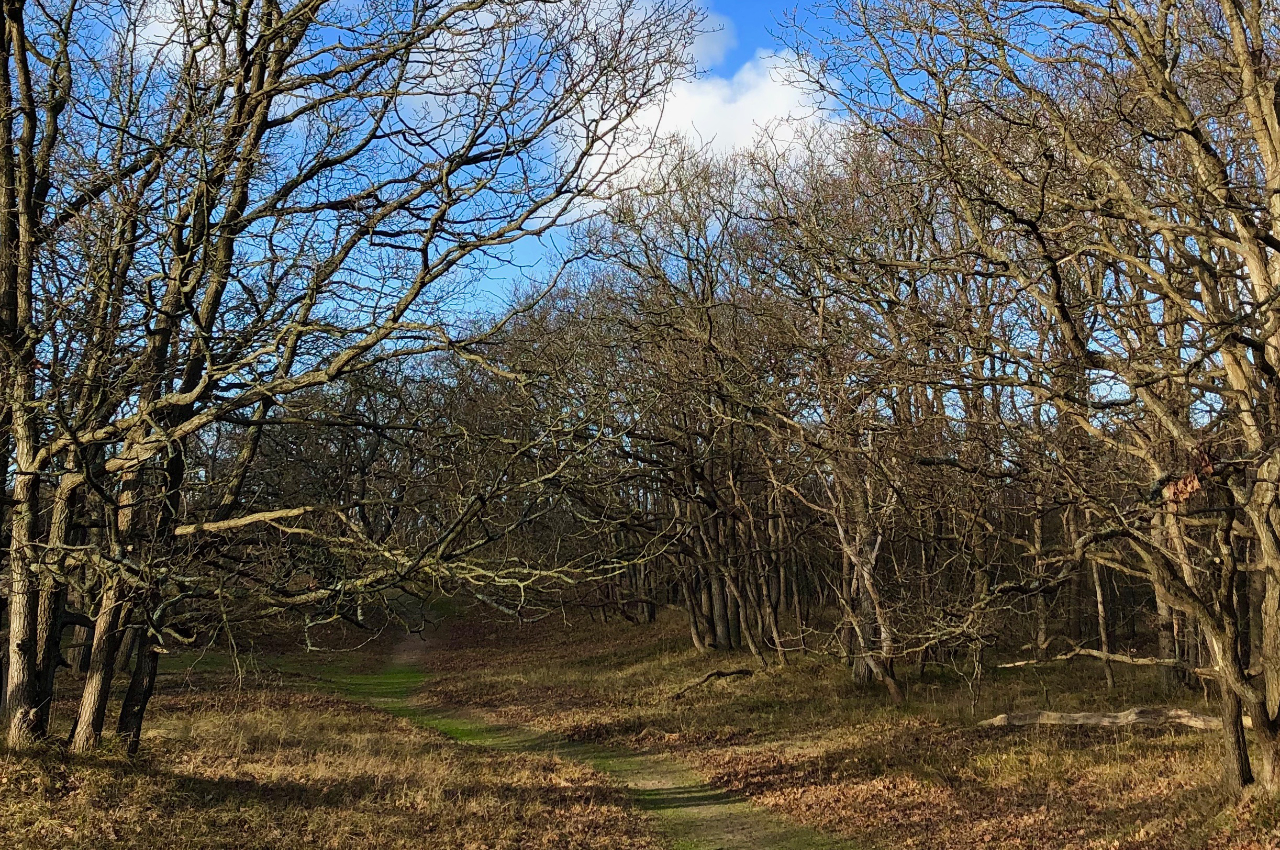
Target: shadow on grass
1012, 787
693, 813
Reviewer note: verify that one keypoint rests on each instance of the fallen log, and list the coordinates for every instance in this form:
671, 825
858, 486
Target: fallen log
1132, 717
714, 674
1117, 657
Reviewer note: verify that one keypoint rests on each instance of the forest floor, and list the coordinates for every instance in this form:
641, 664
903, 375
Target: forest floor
590, 736
690, 813
817, 751
260, 763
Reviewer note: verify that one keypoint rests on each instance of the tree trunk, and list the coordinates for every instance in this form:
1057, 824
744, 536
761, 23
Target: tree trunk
1075, 631
744, 628
691, 609
1257, 591
705, 607
1103, 640
719, 611
97, 685
24, 642
771, 620
141, 685
1268, 770
78, 652
734, 614
1041, 641
4, 671
49, 655
1243, 611
1270, 656
128, 637
1166, 647
1236, 770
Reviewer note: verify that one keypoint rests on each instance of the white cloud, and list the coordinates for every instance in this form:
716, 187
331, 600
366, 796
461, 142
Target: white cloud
726, 113
716, 40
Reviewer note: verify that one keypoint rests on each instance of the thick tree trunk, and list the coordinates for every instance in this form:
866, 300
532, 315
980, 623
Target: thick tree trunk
24, 641
24, 526
97, 685
49, 655
1267, 772
1270, 656
129, 637
4, 666
1237, 772
141, 685
1257, 591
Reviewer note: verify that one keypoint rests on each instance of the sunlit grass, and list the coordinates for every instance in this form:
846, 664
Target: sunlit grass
238, 764
809, 743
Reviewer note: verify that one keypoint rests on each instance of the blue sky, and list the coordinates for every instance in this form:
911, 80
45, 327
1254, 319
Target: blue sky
748, 25
741, 89
738, 92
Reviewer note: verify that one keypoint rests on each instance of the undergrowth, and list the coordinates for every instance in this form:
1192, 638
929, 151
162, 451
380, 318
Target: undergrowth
266, 767
809, 743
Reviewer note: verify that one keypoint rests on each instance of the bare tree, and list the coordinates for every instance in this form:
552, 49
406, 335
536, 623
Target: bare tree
211, 207
1109, 167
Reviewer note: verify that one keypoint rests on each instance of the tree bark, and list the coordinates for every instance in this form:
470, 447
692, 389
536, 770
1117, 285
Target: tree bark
744, 629
719, 610
97, 686
1237, 772
141, 685
1166, 647
1104, 642
1270, 656
691, 609
49, 654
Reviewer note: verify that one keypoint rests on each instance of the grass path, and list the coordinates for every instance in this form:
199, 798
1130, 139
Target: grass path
692, 813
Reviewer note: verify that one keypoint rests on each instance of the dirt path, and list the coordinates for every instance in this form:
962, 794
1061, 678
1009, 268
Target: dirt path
691, 813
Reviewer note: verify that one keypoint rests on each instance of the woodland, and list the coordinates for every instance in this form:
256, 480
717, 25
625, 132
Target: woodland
974, 366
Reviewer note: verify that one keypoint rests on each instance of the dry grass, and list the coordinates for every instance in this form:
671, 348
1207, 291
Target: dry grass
807, 743
270, 768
